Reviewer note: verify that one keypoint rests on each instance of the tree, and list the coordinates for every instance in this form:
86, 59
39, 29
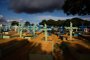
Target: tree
76, 22
51, 22
43, 22
27, 23
80, 7
14, 23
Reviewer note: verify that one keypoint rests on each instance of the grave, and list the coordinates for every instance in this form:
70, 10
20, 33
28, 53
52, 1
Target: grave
1, 35
20, 30
34, 29
45, 30
71, 28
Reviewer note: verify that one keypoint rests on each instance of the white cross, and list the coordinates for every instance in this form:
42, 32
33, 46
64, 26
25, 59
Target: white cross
34, 28
45, 30
1, 36
71, 29
20, 29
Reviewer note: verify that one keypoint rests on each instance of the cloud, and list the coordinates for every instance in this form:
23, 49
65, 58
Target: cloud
36, 6
55, 17
2, 20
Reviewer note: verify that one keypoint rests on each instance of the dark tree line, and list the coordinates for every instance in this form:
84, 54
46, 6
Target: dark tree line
76, 22
80, 7
27, 23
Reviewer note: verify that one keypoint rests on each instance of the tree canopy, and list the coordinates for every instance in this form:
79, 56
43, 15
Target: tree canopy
80, 7
14, 23
76, 22
27, 23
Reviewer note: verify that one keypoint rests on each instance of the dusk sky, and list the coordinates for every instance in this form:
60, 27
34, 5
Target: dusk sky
10, 14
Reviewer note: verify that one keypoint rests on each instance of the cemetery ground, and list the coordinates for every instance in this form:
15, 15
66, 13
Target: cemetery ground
53, 49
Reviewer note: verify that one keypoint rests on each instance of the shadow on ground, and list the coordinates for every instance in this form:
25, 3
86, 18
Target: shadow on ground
19, 50
77, 52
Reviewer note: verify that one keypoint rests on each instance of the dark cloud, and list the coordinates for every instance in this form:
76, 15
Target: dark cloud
35, 6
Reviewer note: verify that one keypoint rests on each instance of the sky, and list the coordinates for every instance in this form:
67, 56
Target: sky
33, 15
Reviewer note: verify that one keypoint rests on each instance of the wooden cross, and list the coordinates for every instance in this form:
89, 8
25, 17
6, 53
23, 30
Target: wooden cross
20, 29
1, 35
34, 28
45, 30
71, 29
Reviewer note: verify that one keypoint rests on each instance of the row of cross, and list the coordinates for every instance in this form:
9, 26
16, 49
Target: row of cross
45, 29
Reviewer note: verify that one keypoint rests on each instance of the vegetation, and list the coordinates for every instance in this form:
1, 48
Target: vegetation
14, 23
27, 23
80, 7
76, 22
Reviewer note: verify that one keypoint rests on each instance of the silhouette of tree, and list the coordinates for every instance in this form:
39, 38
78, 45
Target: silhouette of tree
80, 7
76, 22
27, 23
14, 23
